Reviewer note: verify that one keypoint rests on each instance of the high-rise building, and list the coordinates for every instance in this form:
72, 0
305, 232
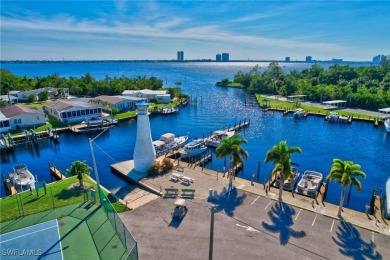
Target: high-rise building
218, 57
308, 58
287, 59
377, 59
180, 56
225, 56
144, 152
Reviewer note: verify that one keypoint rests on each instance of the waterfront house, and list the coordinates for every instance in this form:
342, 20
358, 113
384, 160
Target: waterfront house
159, 96
73, 110
121, 103
9, 99
53, 93
18, 116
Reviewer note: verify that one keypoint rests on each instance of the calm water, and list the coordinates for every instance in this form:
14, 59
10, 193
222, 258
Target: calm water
217, 107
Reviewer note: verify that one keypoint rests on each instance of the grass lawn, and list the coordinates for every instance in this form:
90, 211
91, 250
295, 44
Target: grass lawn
59, 194
281, 104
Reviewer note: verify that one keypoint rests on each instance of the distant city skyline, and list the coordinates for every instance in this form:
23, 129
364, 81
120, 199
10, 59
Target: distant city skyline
156, 30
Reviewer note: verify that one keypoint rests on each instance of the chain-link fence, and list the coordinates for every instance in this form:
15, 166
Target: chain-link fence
124, 235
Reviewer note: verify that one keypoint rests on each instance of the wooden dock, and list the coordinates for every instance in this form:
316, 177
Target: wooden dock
57, 174
85, 129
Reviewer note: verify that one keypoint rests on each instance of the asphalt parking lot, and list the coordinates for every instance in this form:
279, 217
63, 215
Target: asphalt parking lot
248, 227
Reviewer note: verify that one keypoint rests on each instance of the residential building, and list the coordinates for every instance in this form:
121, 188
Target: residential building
308, 58
53, 93
159, 96
180, 56
17, 116
218, 57
121, 103
9, 99
225, 57
73, 110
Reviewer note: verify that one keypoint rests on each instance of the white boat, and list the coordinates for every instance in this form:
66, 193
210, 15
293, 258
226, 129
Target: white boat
160, 147
309, 184
95, 122
168, 142
388, 198
332, 117
298, 114
387, 125
216, 138
193, 148
290, 182
343, 119
168, 110
22, 176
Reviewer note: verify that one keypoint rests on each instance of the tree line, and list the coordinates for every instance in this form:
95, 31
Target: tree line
363, 87
85, 85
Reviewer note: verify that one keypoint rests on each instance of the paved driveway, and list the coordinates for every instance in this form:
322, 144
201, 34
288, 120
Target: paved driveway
248, 227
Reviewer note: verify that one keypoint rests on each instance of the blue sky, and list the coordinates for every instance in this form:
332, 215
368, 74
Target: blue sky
96, 30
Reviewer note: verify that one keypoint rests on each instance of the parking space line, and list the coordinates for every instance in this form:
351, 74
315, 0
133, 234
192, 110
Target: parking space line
314, 220
268, 204
372, 237
331, 228
255, 200
298, 214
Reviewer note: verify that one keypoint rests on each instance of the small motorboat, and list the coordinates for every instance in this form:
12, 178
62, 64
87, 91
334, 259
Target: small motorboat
387, 125
298, 114
291, 181
310, 183
216, 138
22, 176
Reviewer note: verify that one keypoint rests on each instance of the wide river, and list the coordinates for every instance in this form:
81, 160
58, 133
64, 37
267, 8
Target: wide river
217, 107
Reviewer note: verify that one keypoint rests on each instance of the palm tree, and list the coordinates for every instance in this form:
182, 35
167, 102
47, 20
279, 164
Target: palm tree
345, 172
79, 168
280, 155
232, 147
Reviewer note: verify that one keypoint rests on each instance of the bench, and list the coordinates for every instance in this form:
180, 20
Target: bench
170, 191
185, 192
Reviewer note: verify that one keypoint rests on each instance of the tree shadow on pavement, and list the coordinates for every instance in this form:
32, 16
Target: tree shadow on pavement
227, 202
282, 217
352, 245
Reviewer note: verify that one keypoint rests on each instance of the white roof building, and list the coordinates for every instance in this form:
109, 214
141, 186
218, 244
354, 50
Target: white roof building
160, 96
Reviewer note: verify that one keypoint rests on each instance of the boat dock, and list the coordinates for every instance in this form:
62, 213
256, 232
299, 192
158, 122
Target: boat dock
9, 186
30, 137
206, 181
84, 128
55, 172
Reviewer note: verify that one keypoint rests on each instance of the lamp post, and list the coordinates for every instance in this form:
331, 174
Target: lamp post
94, 160
211, 233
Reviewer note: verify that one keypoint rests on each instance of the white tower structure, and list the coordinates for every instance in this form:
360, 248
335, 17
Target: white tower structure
144, 152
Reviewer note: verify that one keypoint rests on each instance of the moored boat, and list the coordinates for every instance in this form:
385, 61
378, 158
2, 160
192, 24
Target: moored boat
168, 110
332, 117
387, 125
216, 138
291, 181
22, 176
193, 148
168, 142
298, 114
310, 183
